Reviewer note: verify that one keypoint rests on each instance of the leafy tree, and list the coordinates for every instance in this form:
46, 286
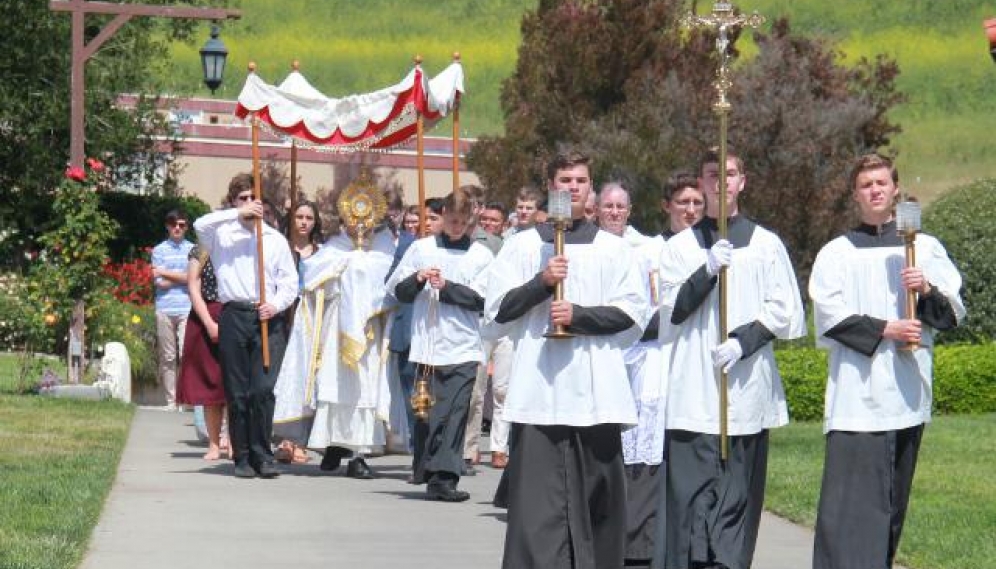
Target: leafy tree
621, 79
35, 101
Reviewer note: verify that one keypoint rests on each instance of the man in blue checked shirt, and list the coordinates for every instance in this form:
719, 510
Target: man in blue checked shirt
169, 274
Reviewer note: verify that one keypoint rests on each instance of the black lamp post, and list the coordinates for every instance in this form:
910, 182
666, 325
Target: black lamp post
213, 56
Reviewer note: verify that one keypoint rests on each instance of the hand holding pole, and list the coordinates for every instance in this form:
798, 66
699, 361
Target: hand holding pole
722, 20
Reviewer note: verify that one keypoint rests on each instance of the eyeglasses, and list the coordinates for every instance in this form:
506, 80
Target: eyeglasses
180, 224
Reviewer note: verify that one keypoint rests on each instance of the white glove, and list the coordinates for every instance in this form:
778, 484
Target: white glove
727, 354
719, 256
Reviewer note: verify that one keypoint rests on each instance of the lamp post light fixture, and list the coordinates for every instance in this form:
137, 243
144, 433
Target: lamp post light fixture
213, 56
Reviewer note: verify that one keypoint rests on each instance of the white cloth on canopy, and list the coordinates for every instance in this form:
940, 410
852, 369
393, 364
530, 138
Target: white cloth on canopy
295, 101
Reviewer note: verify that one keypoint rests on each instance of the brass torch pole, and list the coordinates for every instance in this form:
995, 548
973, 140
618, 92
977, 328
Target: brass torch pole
908, 224
722, 19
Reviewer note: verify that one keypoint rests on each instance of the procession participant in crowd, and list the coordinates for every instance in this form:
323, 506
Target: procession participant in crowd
591, 208
443, 277
410, 222
306, 234
346, 382
568, 397
169, 274
494, 371
647, 366
613, 212
713, 507
527, 204
200, 382
229, 237
878, 393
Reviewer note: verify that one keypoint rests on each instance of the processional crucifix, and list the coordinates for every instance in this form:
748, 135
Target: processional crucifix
723, 19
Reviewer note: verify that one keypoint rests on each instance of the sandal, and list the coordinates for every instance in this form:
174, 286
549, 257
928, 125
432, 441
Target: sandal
284, 452
300, 455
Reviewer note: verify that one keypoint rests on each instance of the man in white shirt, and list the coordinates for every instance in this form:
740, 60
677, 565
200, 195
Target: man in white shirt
229, 237
878, 393
713, 507
567, 397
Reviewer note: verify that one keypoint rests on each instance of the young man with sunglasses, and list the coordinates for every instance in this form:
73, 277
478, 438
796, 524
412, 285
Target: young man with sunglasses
169, 274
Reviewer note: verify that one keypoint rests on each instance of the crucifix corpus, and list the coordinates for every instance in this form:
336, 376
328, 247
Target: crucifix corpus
723, 19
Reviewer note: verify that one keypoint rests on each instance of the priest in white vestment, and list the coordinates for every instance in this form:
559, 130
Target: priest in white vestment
345, 386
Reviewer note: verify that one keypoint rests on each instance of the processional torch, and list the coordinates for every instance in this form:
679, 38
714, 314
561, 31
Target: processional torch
559, 208
723, 20
908, 224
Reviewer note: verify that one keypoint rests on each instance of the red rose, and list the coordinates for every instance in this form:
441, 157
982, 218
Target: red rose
75, 173
95, 165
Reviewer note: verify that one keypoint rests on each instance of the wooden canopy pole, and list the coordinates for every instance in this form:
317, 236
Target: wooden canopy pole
257, 194
291, 224
420, 161
456, 133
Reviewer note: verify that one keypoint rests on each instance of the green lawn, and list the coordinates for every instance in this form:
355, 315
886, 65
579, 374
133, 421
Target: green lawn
952, 517
58, 458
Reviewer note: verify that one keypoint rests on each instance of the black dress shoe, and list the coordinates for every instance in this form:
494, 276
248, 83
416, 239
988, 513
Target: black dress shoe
445, 492
243, 470
333, 458
358, 468
268, 470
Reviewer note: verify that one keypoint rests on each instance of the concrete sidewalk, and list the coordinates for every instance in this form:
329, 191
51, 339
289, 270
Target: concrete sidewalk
168, 508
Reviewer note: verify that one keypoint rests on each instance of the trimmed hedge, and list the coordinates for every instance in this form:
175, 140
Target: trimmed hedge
964, 379
962, 219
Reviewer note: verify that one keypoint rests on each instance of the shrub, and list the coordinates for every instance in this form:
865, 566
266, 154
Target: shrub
964, 379
132, 281
959, 220
804, 374
13, 334
132, 325
141, 220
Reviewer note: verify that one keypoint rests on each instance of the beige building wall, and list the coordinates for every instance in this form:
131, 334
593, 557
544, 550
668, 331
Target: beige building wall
207, 177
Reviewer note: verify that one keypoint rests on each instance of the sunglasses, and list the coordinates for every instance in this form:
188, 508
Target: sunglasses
244, 198
180, 224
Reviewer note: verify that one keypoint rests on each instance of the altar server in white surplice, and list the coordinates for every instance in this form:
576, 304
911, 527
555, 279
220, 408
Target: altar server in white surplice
567, 398
346, 385
713, 509
878, 393
443, 276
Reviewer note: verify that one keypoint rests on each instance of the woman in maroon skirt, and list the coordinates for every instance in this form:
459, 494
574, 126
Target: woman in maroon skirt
200, 373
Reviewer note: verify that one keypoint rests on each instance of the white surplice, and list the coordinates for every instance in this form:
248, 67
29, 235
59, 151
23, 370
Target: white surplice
580, 381
647, 369
891, 389
761, 287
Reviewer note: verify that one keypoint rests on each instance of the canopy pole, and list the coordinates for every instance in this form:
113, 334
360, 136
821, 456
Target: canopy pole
420, 159
456, 132
291, 224
257, 194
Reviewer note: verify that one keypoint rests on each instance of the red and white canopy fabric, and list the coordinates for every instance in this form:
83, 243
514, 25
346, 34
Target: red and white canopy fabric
365, 121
